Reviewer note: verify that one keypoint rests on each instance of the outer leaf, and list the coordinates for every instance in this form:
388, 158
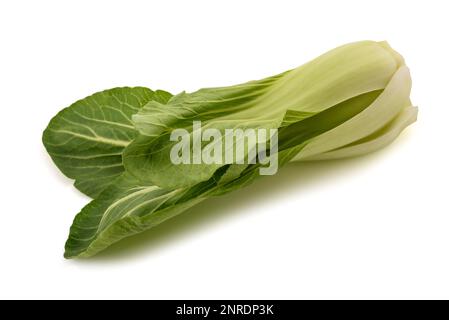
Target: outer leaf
86, 139
125, 208
128, 207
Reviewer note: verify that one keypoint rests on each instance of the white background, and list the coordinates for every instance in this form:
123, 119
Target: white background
371, 227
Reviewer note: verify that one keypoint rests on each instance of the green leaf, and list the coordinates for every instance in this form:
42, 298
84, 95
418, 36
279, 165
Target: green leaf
86, 139
127, 207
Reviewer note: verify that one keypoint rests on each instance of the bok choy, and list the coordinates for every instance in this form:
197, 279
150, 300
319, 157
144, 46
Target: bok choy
116, 144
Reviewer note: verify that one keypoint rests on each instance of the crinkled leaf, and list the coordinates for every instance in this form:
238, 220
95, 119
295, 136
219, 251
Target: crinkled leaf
86, 139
